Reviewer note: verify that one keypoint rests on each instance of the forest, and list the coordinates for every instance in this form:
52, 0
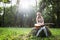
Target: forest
17, 19
14, 16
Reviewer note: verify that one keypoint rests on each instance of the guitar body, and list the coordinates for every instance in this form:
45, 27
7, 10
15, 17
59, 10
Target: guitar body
37, 26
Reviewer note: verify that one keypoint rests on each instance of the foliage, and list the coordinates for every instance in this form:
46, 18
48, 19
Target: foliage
0, 9
52, 10
5, 1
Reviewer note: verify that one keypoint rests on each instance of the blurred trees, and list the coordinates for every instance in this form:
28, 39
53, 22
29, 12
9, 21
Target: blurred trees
26, 18
5, 1
51, 11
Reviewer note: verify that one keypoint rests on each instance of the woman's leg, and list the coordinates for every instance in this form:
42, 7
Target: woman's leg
45, 30
39, 31
42, 28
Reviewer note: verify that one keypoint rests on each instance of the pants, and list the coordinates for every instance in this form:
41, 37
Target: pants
42, 28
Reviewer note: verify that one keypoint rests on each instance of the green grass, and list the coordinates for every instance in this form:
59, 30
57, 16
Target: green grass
20, 33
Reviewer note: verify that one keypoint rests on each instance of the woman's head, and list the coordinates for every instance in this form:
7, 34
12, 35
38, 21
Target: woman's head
38, 13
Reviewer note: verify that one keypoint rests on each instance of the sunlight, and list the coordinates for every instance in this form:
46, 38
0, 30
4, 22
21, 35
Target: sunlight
25, 4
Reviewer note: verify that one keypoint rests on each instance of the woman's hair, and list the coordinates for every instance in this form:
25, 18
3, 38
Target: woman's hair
39, 11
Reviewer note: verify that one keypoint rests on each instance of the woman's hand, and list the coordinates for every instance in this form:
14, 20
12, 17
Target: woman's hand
39, 24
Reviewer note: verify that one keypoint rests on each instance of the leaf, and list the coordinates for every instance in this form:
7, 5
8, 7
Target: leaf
5, 1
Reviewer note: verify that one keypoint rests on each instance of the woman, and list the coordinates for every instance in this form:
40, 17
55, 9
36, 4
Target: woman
40, 26
39, 20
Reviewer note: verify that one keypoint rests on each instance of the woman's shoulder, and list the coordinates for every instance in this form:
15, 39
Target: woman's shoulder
41, 16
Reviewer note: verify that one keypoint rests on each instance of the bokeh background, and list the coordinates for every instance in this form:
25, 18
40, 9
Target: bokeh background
22, 13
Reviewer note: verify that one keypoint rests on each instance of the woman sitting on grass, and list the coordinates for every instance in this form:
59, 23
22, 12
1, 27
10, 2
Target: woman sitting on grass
39, 26
40, 29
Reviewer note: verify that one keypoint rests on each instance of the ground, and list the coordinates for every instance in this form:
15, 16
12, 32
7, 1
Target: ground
20, 34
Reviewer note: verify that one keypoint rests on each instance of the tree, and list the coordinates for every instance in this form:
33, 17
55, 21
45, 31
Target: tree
5, 1
52, 9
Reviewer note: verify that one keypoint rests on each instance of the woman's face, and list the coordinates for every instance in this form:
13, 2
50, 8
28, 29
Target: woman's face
38, 14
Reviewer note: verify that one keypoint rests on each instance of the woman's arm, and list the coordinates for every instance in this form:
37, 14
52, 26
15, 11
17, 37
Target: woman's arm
36, 20
42, 21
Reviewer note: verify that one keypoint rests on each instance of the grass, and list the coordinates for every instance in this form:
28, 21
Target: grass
20, 33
